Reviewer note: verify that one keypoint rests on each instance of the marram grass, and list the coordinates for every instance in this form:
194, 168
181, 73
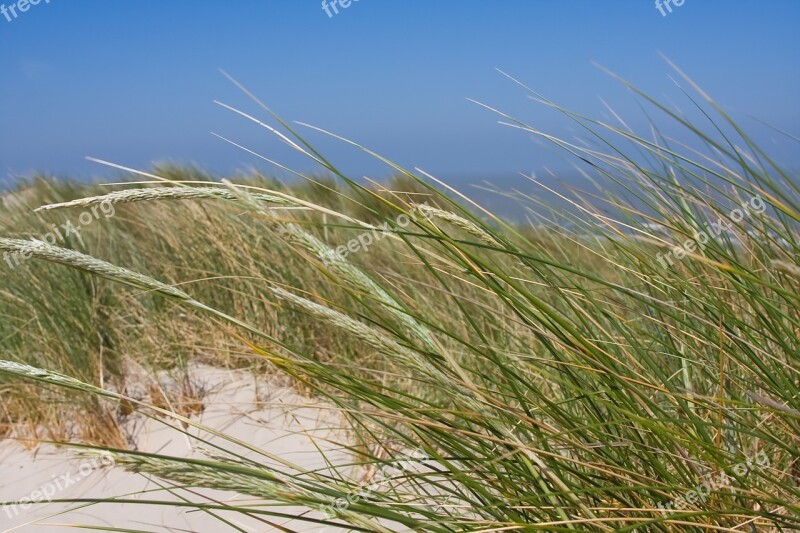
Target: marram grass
557, 378
163, 193
44, 251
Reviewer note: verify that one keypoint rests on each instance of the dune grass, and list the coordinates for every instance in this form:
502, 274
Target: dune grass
558, 378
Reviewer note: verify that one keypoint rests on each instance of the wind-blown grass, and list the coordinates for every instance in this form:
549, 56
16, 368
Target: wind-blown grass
558, 380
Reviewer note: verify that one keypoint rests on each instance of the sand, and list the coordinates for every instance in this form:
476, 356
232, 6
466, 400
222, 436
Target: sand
274, 419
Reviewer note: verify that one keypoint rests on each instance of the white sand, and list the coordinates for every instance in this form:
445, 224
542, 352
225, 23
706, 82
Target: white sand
275, 420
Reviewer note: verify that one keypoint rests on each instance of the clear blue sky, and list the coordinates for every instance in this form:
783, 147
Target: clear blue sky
133, 81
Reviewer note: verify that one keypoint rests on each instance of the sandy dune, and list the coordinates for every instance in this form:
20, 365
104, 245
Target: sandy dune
275, 420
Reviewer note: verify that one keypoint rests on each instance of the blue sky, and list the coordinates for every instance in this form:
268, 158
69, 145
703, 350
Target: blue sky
133, 81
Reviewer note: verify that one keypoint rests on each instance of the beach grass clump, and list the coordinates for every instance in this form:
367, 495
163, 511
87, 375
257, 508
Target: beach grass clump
628, 371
